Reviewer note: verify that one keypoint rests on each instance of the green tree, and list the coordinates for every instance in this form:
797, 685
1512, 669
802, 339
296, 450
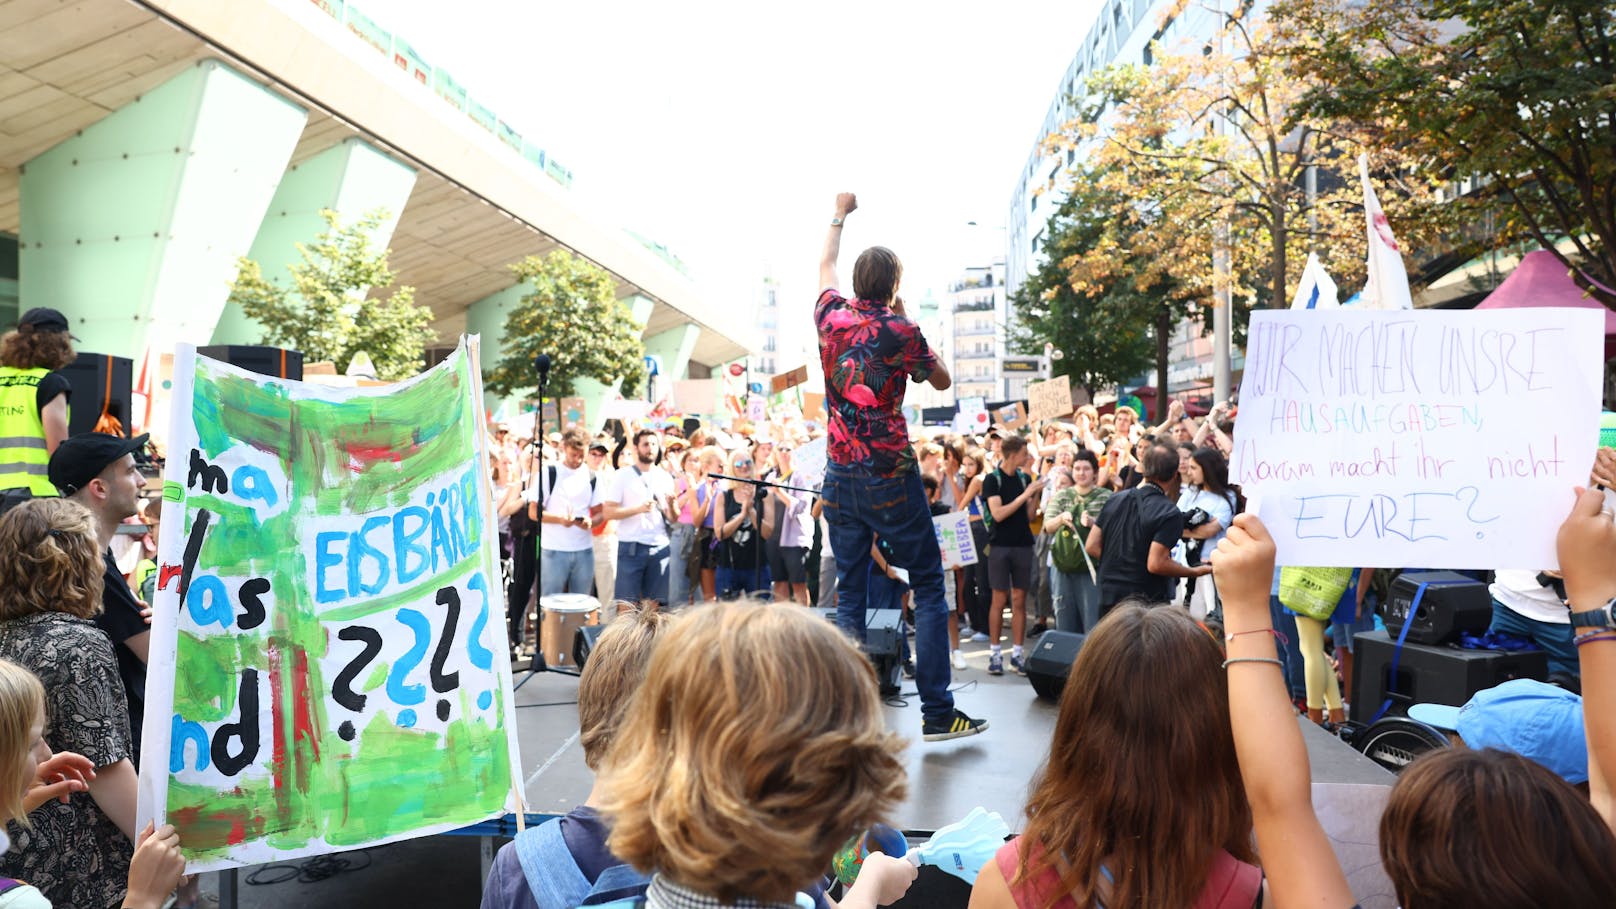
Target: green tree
1514, 97
572, 314
1106, 330
329, 311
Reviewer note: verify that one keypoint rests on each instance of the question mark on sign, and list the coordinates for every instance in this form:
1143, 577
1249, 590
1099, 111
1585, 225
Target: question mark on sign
342, 688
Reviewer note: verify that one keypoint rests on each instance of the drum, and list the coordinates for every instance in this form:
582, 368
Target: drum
562, 614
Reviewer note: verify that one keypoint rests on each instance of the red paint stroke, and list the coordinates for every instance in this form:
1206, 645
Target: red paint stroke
238, 831
367, 454
303, 717
277, 764
168, 573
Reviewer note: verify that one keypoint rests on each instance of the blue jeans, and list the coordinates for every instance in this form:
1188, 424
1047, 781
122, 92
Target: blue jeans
1290, 650
730, 583
642, 572
858, 507
1553, 637
1077, 601
680, 539
566, 572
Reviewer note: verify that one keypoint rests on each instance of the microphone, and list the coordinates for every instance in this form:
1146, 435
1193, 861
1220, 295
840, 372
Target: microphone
541, 365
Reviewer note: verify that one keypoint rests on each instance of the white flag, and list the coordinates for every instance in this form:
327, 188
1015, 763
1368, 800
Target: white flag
1387, 286
1316, 291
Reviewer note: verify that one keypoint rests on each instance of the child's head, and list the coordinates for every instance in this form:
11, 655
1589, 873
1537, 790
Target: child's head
933, 490
615, 669
753, 750
1488, 828
22, 743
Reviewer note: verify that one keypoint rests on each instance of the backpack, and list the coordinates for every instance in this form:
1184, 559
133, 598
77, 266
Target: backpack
557, 883
1066, 549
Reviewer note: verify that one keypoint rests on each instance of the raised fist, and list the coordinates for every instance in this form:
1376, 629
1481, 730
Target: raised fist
846, 204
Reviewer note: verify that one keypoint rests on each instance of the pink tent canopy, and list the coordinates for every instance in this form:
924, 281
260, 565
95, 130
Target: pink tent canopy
1541, 280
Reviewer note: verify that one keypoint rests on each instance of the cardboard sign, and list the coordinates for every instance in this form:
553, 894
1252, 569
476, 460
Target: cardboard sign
813, 406
787, 380
1051, 400
572, 414
975, 410
954, 538
328, 668
1012, 416
1444, 438
696, 396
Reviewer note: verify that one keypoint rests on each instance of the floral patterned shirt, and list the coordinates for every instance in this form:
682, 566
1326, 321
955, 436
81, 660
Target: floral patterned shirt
74, 854
869, 354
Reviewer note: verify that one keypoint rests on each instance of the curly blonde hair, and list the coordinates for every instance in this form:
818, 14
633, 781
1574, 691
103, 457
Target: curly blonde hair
25, 348
754, 749
53, 561
22, 703
615, 669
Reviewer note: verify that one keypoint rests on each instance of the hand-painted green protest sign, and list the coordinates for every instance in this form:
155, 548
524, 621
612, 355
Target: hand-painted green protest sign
327, 667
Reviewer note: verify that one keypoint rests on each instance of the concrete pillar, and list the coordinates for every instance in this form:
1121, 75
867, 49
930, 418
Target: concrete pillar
132, 228
352, 178
674, 347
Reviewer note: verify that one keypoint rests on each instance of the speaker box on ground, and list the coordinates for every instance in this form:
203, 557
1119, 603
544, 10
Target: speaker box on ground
1452, 604
101, 384
1049, 662
1430, 675
583, 641
882, 644
266, 361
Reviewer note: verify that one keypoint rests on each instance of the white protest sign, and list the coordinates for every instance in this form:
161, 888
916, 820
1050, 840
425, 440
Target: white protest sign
1440, 438
1051, 400
808, 465
954, 538
975, 412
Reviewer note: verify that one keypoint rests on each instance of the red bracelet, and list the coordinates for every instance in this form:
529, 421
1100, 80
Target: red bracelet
1227, 637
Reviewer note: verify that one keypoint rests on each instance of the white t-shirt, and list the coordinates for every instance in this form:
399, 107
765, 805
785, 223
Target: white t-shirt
631, 489
1213, 504
571, 496
1520, 591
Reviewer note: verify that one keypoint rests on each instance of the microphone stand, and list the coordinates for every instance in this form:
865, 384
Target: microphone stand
537, 663
761, 485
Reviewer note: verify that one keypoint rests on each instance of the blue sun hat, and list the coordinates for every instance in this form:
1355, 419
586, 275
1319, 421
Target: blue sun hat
1536, 720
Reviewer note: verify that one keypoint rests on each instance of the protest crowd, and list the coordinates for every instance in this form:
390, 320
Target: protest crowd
726, 775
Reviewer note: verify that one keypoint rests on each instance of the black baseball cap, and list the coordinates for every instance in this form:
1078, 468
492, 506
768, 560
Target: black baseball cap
43, 318
81, 458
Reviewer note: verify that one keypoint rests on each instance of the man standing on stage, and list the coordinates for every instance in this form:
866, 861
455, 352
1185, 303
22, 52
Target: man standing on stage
869, 350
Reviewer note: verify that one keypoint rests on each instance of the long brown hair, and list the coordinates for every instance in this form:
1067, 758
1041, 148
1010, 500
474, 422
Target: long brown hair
53, 560
1141, 775
1490, 830
25, 348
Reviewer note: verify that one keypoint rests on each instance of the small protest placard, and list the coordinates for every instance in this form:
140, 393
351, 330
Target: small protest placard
1435, 437
1012, 416
808, 464
1051, 400
787, 380
954, 538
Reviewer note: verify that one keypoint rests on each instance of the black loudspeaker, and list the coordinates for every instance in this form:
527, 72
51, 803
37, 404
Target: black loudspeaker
266, 361
102, 384
1430, 675
1452, 603
690, 426
583, 641
1050, 661
883, 644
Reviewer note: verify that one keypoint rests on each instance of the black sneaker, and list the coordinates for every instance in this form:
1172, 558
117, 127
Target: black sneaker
954, 726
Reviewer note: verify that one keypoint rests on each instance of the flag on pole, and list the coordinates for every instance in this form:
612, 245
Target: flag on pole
1387, 286
1316, 290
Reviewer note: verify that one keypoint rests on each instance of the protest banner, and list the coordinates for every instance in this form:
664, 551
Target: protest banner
625, 409
975, 414
696, 396
757, 409
787, 380
1418, 437
1051, 400
328, 669
954, 538
808, 464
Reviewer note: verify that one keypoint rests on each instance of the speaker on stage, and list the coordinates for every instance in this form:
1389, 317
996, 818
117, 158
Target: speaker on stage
1430, 675
266, 361
883, 644
1452, 604
1050, 661
583, 642
102, 386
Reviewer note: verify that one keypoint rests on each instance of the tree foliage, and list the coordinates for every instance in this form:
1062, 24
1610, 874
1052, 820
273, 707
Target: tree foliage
328, 311
571, 313
1517, 95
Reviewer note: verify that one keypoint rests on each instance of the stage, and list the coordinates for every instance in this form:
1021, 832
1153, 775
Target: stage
946, 780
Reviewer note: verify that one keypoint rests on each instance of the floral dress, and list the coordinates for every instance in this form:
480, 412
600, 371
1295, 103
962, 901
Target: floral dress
74, 853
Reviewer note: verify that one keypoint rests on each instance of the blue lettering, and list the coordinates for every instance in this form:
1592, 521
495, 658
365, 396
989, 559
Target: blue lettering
209, 602
253, 483
405, 545
359, 548
324, 561
404, 665
181, 732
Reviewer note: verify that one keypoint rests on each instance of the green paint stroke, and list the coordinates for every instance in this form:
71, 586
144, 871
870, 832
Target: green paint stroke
367, 453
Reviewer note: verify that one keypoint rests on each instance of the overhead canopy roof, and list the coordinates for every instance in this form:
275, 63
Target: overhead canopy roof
477, 206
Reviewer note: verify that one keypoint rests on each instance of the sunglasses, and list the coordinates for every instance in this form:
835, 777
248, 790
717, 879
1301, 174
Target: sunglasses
743, 463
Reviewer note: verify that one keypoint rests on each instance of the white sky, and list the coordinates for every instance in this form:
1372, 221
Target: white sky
724, 129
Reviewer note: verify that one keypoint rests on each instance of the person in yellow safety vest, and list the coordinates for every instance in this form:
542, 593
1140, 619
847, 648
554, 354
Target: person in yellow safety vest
33, 402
